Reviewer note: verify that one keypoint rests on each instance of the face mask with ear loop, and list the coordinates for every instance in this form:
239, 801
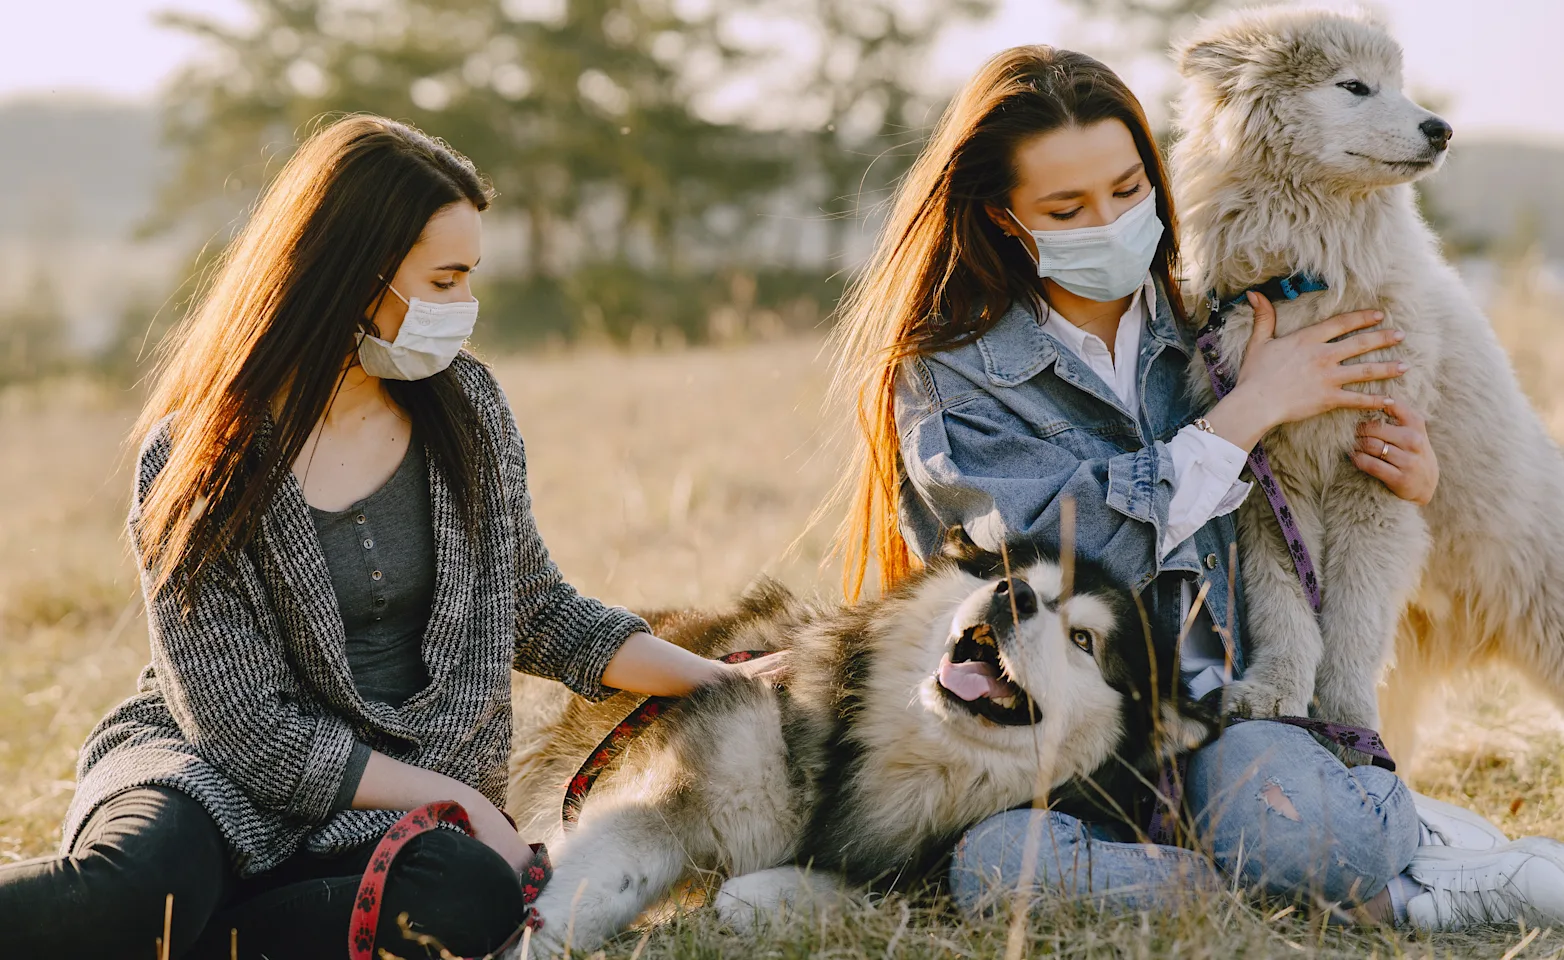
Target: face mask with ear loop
430, 337
1100, 263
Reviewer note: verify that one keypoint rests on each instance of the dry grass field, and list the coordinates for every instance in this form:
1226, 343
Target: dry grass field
674, 478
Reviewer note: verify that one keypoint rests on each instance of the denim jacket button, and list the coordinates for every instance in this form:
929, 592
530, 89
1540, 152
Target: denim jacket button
1210, 561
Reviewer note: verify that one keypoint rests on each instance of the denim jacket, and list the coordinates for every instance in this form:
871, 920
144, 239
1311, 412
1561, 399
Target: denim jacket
997, 433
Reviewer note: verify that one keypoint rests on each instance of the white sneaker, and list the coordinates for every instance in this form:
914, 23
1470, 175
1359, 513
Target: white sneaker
1451, 826
1462, 888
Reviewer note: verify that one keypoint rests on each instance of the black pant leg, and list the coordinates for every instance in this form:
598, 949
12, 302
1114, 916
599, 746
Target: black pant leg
106, 899
453, 888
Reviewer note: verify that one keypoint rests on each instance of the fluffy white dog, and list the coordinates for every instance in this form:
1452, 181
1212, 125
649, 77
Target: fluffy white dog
1297, 152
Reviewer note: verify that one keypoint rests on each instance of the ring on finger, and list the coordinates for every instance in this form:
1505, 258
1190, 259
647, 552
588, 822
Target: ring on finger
1385, 451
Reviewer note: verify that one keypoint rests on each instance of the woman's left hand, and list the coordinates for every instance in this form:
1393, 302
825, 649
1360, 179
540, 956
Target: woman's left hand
657, 668
771, 668
1398, 453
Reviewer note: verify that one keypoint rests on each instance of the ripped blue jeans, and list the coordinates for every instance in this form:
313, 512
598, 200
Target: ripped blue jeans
1276, 812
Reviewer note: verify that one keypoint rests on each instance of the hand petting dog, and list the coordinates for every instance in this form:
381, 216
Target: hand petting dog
772, 668
1398, 453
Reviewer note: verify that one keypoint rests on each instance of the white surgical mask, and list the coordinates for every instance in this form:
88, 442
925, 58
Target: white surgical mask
431, 336
1100, 263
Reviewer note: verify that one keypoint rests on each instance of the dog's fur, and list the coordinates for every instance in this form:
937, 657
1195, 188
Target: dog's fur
1279, 169
860, 766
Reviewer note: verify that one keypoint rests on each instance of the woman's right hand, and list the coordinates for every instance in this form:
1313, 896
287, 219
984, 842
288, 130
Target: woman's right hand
391, 784
1284, 379
494, 831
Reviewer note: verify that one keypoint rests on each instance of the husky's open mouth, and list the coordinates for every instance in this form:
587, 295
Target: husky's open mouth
972, 676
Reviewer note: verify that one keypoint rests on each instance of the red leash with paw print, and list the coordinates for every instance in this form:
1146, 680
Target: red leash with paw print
618, 738
372, 889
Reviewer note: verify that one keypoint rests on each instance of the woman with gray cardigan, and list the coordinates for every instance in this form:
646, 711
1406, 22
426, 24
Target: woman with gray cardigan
341, 569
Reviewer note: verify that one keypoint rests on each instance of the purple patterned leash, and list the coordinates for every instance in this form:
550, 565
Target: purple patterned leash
1260, 464
1170, 782
1360, 739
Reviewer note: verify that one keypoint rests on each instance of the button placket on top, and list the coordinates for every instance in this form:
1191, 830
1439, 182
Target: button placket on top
376, 576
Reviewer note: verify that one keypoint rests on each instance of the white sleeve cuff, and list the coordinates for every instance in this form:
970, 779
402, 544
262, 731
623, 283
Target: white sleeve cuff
1205, 483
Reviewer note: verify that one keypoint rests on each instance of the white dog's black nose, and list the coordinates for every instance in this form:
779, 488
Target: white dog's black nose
1437, 131
1018, 592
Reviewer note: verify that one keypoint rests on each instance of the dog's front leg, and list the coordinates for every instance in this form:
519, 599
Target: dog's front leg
1374, 553
1285, 637
618, 863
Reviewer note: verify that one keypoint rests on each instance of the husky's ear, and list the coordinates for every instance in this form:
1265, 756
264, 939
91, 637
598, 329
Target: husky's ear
1184, 726
959, 546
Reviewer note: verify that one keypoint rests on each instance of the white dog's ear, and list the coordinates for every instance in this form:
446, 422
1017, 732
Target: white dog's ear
1224, 50
1211, 57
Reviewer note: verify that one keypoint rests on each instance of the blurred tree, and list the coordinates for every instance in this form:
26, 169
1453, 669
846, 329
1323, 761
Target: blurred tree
562, 104
857, 92
1149, 28
634, 204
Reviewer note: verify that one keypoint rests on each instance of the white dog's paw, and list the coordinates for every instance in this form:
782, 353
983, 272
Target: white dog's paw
747, 902
1258, 698
563, 925
543, 943
740, 915
536, 946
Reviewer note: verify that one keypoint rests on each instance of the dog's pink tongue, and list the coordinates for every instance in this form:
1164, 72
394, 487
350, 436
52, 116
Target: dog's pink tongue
971, 679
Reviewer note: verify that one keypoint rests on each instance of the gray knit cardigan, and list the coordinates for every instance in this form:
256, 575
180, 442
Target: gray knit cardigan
249, 707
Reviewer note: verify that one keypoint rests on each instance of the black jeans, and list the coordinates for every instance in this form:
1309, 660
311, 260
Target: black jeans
106, 899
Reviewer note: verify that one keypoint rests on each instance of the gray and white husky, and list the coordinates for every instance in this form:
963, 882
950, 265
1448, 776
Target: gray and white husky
1296, 153
901, 721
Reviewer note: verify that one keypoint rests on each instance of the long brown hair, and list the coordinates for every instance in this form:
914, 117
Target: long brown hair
279, 319
943, 274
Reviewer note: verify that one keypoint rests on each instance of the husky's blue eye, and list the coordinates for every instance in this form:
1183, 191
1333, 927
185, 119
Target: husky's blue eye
1355, 87
1082, 639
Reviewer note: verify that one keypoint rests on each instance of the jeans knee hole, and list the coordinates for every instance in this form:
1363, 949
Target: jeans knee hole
1276, 800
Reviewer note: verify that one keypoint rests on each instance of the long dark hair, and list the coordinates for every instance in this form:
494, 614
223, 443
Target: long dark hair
280, 318
943, 274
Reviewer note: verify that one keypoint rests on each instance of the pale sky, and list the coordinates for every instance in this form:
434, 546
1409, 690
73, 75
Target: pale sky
1496, 63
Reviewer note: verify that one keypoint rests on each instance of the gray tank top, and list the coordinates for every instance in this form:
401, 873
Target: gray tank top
380, 552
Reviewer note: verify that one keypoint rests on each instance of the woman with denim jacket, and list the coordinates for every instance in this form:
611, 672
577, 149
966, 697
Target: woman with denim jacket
1017, 343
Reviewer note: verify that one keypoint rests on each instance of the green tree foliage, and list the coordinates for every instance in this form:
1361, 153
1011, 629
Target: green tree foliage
631, 204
